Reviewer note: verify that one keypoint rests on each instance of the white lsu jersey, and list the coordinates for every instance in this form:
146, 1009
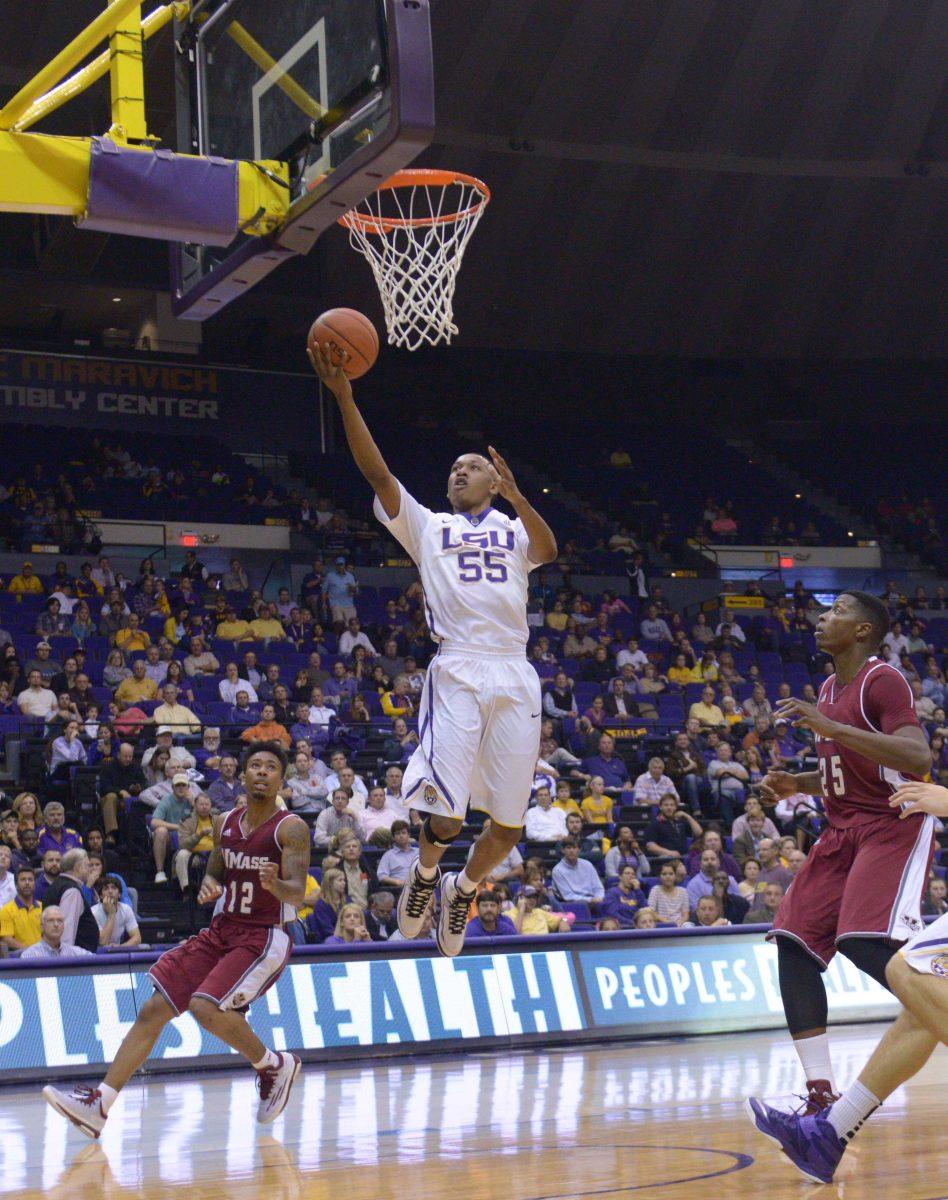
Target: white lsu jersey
474, 572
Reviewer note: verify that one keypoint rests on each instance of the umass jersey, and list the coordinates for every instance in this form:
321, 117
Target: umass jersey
244, 900
879, 700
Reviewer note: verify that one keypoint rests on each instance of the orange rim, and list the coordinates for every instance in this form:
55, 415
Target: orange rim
369, 223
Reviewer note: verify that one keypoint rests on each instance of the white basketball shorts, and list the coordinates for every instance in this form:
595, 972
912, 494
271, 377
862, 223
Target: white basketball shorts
479, 730
927, 952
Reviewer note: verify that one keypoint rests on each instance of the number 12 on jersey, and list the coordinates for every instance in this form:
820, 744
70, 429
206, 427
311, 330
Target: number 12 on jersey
243, 891
831, 776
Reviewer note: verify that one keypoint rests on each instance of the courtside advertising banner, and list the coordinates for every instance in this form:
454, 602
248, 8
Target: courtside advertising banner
70, 1021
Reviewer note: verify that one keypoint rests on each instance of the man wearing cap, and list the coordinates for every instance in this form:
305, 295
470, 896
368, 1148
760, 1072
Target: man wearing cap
168, 817
26, 583
267, 627
42, 661
137, 686
531, 920
36, 700
339, 588
231, 629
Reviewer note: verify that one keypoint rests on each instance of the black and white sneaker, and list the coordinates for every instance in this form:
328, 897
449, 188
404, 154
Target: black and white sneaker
414, 900
452, 920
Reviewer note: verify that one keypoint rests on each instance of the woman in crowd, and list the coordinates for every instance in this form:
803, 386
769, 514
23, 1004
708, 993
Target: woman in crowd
626, 852
82, 624
683, 672
67, 750
115, 670
176, 627
8, 705
302, 688
357, 713
11, 672
26, 807
750, 884
701, 631
646, 918
350, 927
181, 681
669, 901
321, 922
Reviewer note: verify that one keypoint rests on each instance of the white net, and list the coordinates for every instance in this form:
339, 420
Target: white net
413, 232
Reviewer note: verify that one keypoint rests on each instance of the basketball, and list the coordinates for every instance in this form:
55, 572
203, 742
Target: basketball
351, 337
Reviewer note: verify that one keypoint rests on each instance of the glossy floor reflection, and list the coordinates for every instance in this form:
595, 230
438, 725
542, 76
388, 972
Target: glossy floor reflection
658, 1119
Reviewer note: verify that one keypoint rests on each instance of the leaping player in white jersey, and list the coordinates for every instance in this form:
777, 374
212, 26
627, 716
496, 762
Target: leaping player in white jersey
479, 717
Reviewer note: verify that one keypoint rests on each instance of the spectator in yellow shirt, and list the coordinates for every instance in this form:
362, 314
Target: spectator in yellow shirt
310, 896
132, 637
232, 630
564, 800
681, 674
26, 583
531, 920
20, 917
180, 718
596, 808
398, 702
267, 626
557, 618
138, 686
705, 711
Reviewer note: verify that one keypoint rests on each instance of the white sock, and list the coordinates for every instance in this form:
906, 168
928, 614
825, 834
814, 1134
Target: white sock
464, 883
851, 1110
107, 1096
270, 1059
814, 1054
428, 873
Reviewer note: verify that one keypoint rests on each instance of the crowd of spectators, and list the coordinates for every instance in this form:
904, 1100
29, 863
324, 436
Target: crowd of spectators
656, 732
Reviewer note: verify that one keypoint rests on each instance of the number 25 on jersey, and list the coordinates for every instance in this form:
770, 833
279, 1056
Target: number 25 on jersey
831, 776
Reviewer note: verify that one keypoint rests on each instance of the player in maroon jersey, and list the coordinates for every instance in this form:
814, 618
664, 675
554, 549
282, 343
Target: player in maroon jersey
258, 866
860, 890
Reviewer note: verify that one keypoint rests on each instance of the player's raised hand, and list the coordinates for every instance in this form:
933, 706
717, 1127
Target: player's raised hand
920, 798
502, 476
329, 371
777, 784
805, 716
269, 874
209, 891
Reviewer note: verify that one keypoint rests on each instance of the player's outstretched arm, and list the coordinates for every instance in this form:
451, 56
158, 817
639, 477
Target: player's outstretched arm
920, 798
776, 785
905, 750
294, 865
542, 542
368, 457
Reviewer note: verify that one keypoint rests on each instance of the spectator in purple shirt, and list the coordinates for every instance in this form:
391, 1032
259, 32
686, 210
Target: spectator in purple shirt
241, 713
624, 900
55, 834
615, 774
489, 921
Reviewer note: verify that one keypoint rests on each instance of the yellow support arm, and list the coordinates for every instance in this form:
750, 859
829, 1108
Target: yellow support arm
69, 57
127, 78
43, 174
99, 66
266, 62
40, 173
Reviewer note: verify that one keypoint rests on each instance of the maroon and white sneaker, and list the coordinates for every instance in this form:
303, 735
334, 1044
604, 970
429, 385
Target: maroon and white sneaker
819, 1097
82, 1106
274, 1085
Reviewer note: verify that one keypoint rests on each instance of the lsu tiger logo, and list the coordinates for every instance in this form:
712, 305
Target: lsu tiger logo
431, 796
940, 965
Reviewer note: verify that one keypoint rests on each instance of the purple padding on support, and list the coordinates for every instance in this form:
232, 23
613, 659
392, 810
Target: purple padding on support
159, 194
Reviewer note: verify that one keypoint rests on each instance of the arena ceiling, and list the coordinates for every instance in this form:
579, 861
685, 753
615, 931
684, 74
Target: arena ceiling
705, 178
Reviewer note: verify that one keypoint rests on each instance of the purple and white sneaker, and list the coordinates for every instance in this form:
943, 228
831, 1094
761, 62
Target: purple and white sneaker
811, 1143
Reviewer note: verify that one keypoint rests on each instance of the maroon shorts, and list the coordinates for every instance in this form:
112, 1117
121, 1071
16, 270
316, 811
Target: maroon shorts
230, 963
866, 880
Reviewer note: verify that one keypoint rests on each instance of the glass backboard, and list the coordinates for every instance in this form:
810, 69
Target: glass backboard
337, 89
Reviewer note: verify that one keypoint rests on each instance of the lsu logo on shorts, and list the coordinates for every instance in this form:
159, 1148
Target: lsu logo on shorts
940, 965
430, 794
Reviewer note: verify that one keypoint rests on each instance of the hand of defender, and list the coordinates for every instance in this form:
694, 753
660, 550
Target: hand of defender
209, 891
920, 798
330, 372
777, 784
502, 476
806, 716
269, 874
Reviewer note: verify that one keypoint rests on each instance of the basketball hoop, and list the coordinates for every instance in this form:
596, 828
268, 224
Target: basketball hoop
413, 233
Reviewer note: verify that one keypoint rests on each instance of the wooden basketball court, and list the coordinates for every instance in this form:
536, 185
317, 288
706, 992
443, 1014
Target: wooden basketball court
660, 1119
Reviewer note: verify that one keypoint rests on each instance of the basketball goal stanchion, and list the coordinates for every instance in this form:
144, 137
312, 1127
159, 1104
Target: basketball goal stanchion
413, 233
